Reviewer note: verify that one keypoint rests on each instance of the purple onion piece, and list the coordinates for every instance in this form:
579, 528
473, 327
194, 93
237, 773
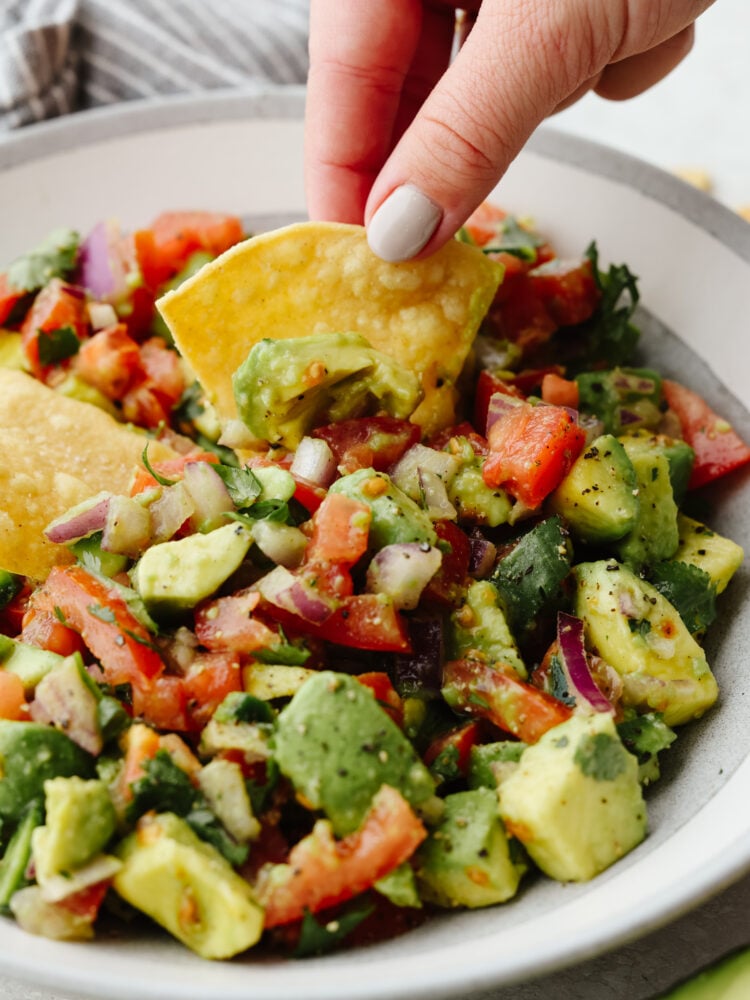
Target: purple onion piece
628, 417
101, 268
575, 664
421, 671
170, 511
482, 556
401, 571
209, 495
80, 521
283, 589
499, 405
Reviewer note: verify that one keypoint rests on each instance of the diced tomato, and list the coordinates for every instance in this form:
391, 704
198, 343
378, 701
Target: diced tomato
308, 494
171, 468
567, 290
487, 385
341, 527
162, 370
109, 360
86, 902
369, 442
521, 316
466, 430
12, 697
162, 701
9, 297
479, 689
560, 391
227, 623
458, 742
529, 380
322, 871
380, 684
177, 235
141, 743
105, 623
718, 447
43, 629
448, 585
12, 615
531, 450
361, 621
57, 305
482, 224
153, 268
210, 679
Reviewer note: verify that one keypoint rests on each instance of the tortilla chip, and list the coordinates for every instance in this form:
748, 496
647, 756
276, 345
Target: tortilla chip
320, 278
56, 452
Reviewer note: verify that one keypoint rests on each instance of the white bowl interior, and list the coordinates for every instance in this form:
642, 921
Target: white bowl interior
243, 154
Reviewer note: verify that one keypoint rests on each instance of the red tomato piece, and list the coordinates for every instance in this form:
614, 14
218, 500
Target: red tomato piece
448, 585
466, 430
162, 702
56, 306
369, 442
567, 289
341, 528
86, 902
105, 623
482, 225
516, 707
322, 871
459, 741
385, 693
109, 360
560, 391
227, 623
529, 380
487, 385
162, 369
361, 621
177, 235
210, 679
718, 448
531, 450
308, 494
12, 615
171, 468
12, 697
44, 630
9, 297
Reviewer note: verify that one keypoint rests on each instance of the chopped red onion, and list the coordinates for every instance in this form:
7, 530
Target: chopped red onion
483, 555
209, 494
401, 571
575, 664
80, 521
314, 461
127, 530
405, 472
101, 315
102, 268
282, 543
170, 511
421, 672
499, 405
435, 496
282, 588
235, 434
101, 868
69, 705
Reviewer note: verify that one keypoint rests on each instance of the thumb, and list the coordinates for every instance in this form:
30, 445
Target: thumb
519, 62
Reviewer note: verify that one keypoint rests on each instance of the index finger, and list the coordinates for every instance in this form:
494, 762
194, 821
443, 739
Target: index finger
360, 54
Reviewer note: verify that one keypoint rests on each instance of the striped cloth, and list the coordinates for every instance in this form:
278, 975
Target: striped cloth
58, 56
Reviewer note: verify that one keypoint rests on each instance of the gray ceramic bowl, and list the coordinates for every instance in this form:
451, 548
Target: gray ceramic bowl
242, 152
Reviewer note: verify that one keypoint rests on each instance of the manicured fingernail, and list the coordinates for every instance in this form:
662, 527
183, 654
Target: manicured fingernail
403, 224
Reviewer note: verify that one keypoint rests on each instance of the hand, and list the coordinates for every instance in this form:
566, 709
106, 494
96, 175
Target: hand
398, 138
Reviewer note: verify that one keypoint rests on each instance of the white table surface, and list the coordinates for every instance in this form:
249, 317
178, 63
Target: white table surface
698, 118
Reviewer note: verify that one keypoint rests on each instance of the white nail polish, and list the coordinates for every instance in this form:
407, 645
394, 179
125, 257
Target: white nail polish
403, 224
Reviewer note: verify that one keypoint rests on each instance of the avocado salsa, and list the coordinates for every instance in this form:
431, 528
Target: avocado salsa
322, 672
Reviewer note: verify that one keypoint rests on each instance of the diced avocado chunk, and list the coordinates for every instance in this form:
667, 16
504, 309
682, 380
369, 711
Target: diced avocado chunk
491, 763
465, 860
29, 663
654, 535
574, 800
621, 397
728, 979
480, 625
30, 754
473, 499
637, 631
689, 589
175, 576
337, 746
18, 853
186, 886
680, 457
395, 516
700, 546
12, 354
286, 387
598, 498
89, 552
68, 699
400, 887
79, 822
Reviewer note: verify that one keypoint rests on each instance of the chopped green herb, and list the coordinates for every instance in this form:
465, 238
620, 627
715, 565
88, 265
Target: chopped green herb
601, 757
243, 485
161, 480
57, 345
103, 614
55, 257
316, 939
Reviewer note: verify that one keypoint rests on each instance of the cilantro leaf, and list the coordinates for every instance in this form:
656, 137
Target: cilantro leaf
238, 706
57, 345
55, 257
689, 589
243, 485
315, 938
445, 767
161, 480
513, 238
610, 336
601, 757
286, 653
645, 735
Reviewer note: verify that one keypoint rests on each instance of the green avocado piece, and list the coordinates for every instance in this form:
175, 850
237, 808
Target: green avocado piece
395, 516
337, 746
728, 979
175, 576
30, 754
286, 387
29, 663
599, 497
491, 763
654, 535
621, 397
480, 624
638, 632
18, 852
80, 820
466, 860
574, 800
187, 887
716, 555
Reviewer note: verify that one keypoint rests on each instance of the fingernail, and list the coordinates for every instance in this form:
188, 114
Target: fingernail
403, 224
